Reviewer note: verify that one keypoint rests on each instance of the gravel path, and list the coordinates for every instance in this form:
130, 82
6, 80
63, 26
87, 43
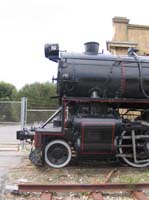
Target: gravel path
9, 156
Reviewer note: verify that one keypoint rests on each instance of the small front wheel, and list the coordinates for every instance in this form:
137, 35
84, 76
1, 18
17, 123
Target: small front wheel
57, 153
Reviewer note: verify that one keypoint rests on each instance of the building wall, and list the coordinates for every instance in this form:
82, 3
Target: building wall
120, 26
140, 35
128, 35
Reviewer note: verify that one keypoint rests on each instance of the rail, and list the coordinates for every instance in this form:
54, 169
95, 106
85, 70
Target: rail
104, 187
96, 189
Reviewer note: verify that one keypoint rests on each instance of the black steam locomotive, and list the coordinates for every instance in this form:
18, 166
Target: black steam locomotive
103, 113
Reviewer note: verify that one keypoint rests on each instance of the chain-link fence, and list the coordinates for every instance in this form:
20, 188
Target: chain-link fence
15, 115
38, 115
17, 112
10, 112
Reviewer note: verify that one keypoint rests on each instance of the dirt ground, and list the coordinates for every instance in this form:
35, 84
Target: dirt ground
26, 172
16, 168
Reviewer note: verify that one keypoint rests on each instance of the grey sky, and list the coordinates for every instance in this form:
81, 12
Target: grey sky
26, 25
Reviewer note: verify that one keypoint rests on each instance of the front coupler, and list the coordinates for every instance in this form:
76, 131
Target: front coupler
25, 134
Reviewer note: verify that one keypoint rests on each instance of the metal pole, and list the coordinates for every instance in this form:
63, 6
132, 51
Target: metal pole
23, 116
23, 112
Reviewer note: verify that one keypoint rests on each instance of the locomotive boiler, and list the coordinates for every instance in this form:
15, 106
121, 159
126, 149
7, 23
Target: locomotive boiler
103, 112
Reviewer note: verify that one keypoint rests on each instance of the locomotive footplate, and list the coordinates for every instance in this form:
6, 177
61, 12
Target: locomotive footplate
121, 102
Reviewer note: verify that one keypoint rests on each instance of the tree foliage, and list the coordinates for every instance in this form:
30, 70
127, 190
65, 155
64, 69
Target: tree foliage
8, 111
7, 91
39, 95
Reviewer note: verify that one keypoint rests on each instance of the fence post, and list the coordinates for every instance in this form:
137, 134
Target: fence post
23, 116
23, 112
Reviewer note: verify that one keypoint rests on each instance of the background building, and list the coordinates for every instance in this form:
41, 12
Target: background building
128, 35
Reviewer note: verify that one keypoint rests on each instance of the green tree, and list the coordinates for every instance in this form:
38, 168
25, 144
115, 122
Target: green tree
8, 111
39, 95
7, 91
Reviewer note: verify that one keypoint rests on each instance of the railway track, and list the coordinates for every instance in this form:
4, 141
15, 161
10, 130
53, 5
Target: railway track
96, 190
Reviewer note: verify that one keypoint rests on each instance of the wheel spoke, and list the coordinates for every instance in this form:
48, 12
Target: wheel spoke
57, 154
138, 157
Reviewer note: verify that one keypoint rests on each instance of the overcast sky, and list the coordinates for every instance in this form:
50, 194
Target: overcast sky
26, 25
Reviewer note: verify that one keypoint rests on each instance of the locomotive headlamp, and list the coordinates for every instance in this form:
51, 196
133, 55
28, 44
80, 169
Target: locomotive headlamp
52, 52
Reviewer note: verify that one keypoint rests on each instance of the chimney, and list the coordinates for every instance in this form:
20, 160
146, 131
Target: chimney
91, 48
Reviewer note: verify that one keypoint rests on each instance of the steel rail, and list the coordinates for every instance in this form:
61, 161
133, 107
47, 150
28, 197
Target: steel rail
83, 187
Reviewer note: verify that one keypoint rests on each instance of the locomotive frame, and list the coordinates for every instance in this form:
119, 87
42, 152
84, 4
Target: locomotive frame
92, 127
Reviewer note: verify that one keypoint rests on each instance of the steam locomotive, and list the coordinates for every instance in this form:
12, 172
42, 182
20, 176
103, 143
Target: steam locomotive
103, 112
